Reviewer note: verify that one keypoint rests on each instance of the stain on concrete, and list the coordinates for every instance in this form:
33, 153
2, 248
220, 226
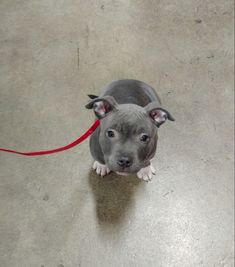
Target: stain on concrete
46, 197
198, 21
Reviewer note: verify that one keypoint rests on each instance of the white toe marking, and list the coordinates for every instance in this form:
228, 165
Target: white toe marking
146, 173
95, 165
153, 169
101, 169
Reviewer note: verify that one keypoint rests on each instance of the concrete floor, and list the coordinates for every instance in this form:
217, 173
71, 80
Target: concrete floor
54, 211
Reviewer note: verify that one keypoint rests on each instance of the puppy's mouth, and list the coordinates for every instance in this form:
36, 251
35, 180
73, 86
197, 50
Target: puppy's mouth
123, 173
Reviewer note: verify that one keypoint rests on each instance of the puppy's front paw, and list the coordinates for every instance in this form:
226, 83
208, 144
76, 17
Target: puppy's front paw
101, 169
146, 173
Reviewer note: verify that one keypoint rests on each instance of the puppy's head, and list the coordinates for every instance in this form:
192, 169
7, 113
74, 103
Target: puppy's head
128, 132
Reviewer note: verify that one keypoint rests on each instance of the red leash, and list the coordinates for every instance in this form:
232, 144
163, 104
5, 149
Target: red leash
60, 149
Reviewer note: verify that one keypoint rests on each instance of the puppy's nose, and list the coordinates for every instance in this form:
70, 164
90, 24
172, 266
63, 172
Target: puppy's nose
124, 162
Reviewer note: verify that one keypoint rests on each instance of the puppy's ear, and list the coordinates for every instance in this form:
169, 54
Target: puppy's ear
102, 105
93, 96
158, 114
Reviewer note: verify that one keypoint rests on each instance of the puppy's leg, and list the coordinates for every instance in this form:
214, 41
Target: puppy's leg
101, 169
146, 173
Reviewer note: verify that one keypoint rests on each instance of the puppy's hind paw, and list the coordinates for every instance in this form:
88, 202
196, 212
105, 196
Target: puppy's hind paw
101, 169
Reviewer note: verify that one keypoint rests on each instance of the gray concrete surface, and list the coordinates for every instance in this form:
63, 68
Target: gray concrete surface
54, 211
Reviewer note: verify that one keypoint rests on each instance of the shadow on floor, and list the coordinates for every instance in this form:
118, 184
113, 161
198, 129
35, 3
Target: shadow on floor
113, 195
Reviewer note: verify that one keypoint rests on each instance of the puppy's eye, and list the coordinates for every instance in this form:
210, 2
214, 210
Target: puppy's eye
144, 138
110, 133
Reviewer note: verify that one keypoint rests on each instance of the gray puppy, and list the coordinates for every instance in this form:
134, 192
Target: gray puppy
130, 114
